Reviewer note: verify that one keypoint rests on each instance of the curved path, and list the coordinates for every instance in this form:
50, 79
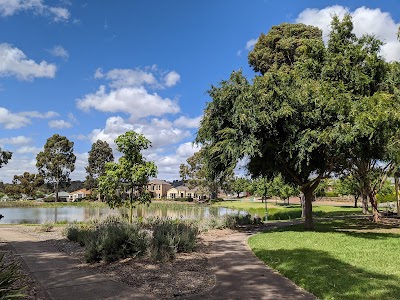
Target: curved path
239, 273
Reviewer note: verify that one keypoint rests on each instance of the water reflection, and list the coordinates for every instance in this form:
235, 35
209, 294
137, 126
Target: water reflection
35, 215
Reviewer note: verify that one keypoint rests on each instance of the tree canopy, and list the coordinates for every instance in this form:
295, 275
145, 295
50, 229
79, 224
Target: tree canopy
100, 154
5, 156
56, 162
307, 112
124, 183
28, 182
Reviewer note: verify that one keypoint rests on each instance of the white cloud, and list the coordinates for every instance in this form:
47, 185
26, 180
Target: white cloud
139, 77
59, 13
80, 164
162, 123
11, 120
133, 100
39, 115
11, 7
16, 140
172, 78
187, 150
59, 124
126, 77
17, 166
59, 51
250, 44
72, 118
365, 20
29, 149
13, 62
185, 122
159, 135
168, 165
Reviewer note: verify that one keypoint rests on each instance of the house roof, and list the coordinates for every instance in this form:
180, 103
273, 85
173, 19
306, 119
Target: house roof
158, 181
182, 188
81, 191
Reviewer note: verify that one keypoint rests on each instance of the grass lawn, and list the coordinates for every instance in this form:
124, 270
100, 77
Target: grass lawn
288, 212
341, 259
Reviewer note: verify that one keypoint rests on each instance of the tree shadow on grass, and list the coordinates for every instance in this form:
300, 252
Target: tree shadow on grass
329, 278
359, 228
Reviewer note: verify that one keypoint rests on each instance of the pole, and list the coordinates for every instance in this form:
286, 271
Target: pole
265, 197
396, 185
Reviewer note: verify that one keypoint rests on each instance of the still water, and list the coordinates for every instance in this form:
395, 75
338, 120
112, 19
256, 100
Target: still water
36, 215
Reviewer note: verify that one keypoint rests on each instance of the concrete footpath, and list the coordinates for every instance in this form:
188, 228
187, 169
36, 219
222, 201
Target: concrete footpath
239, 273
58, 274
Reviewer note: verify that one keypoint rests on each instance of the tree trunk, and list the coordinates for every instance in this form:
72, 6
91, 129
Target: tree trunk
303, 208
355, 201
376, 215
364, 198
308, 218
57, 191
131, 207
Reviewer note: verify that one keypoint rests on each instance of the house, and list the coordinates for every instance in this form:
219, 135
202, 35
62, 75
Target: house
79, 194
158, 188
62, 196
178, 192
5, 198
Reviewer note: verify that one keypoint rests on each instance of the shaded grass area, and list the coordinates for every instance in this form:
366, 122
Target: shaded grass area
342, 259
290, 211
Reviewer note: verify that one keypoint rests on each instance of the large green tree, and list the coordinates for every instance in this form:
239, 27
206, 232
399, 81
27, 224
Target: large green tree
300, 116
355, 68
56, 162
124, 183
100, 154
278, 121
198, 174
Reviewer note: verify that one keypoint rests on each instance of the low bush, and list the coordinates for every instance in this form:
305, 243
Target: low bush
386, 198
46, 227
331, 194
172, 236
9, 275
115, 241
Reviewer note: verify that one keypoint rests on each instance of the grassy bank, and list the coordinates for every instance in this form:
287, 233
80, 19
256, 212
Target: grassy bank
346, 259
288, 212
33, 203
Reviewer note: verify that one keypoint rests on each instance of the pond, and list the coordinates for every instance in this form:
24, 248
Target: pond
39, 215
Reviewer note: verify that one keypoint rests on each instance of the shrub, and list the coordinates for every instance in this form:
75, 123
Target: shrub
9, 274
331, 194
386, 198
115, 241
46, 227
172, 236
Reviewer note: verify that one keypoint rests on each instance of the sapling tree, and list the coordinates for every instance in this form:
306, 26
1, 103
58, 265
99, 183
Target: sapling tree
124, 182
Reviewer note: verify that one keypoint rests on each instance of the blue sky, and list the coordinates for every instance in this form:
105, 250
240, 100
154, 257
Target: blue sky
93, 70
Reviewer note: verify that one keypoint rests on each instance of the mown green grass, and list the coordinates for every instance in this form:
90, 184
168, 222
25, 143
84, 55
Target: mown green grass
342, 259
288, 212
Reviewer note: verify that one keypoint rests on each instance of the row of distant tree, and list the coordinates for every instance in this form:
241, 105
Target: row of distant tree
57, 161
